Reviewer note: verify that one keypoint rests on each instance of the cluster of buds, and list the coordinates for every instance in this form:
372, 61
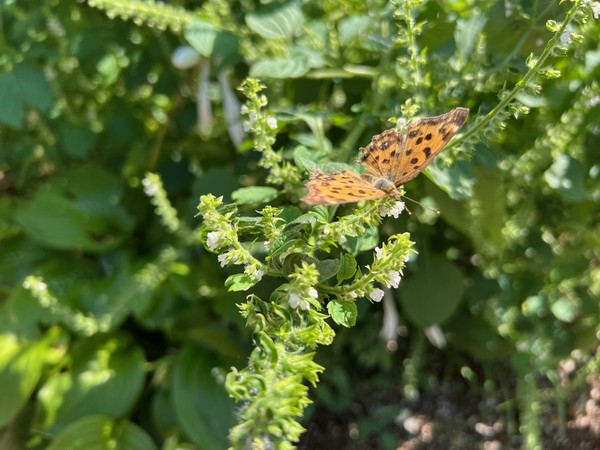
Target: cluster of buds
222, 237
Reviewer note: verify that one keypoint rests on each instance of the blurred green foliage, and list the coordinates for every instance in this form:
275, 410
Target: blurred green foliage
116, 323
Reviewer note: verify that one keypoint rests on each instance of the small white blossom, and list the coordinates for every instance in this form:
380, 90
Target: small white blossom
565, 38
257, 274
272, 123
223, 259
212, 240
596, 10
376, 295
395, 278
353, 294
378, 253
304, 305
394, 211
342, 240
312, 292
246, 126
252, 116
244, 109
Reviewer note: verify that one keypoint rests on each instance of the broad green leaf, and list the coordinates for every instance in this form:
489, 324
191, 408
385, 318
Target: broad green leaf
56, 222
567, 177
77, 142
20, 370
353, 27
239, 282
285, 241
457, 180
434, 292
294, 260
347, 267
368, 241
106, 376
327, 268
98, 432
204, 410
24, 87
466, 33
254, 194
209, 40
342, 313
303, 160
280, 68
277, 20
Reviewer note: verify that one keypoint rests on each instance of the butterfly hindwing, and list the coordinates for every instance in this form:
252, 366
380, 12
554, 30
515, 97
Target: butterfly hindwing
342, 187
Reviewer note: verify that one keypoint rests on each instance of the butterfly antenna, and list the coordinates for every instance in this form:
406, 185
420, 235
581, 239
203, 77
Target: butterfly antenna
420, 204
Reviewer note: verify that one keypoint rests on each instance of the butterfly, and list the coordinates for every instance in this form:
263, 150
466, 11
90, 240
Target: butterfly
391, 159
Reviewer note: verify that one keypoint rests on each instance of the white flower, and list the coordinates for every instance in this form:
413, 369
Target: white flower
596, 10
376, 295
342, 240
255, 273
272, 123
378, 253
304, 305
565, 38
252, 116
212, 240
244, 109
223, 259
294, 301
394, 211
395, 278
312, 292
353, 294
246, 126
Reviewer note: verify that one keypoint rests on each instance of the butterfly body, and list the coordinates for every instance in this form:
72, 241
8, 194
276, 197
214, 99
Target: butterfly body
391, 159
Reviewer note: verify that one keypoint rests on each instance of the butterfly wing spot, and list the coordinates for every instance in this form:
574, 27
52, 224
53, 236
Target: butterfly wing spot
408, 152
427, 151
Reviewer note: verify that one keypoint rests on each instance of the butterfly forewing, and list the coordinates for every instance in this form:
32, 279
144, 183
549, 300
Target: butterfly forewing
342, 187
424, 139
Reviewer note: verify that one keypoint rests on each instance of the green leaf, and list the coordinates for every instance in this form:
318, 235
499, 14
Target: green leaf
58, 223
280, 68
77, 142
433, 294
254, 194
294, 260
202, 406
343, 313
352, 27
347, 267
20, 370
303, 160
106, 376
368, 241
239, 282
22, 88
286, 240
100, 432
275, 21
209, 40
466, 33
328, 268
457, 180
567, 177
